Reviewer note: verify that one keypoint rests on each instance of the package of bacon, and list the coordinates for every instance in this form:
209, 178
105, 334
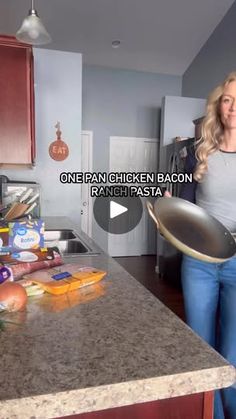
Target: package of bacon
25, 262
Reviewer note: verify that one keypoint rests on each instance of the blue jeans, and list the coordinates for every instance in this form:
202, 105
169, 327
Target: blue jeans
209, 291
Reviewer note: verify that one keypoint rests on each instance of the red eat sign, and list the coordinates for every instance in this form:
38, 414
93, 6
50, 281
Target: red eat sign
58, 150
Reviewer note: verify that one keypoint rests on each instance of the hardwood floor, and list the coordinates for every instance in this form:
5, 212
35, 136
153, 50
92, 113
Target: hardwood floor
142, 268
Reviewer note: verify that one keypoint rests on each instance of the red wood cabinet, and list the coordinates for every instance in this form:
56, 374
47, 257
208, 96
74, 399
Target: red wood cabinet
17, 130
194, 406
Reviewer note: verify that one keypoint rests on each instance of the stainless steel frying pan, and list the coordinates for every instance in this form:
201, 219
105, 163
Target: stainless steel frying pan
192, 230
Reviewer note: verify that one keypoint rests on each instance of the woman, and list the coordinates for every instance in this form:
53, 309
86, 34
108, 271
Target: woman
209, 289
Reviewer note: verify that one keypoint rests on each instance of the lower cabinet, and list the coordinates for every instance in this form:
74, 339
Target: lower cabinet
194, 406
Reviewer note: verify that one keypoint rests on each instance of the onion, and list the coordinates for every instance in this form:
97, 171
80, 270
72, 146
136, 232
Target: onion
13, 297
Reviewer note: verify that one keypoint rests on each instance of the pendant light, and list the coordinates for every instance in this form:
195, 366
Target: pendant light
32, 30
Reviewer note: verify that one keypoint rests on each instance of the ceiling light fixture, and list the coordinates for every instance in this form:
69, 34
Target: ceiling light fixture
32, 30
115, 44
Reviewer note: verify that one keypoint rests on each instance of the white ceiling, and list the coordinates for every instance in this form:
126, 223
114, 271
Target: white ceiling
160, 36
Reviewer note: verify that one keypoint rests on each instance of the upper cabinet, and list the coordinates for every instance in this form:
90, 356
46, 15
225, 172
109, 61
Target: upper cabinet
17, 130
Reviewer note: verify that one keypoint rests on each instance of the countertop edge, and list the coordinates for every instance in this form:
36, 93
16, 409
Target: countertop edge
119, 394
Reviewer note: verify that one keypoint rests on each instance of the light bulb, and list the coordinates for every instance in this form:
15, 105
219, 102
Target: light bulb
33, 33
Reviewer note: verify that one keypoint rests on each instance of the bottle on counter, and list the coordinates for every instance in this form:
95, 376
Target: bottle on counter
5, 274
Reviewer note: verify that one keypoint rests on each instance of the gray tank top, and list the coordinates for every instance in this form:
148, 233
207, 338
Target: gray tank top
217, 192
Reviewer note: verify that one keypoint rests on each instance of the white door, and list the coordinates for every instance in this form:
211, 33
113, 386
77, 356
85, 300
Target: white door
86, 166
128, 154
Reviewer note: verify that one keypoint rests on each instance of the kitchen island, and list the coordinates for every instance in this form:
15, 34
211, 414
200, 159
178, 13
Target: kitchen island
105, 346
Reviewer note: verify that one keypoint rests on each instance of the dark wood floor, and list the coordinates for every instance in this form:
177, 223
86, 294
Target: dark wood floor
142, 268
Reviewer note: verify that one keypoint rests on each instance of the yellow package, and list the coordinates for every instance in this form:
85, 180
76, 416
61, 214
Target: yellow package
63, 282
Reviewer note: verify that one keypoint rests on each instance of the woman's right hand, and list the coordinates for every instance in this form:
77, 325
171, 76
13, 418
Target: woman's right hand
167, 194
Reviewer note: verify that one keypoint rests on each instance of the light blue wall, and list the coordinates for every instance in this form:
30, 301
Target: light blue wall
121, 103
216, 59
58, 94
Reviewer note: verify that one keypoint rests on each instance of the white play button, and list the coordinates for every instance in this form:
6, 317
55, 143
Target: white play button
118, 215
116, 209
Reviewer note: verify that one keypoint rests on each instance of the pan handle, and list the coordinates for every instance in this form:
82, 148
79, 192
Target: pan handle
151, 213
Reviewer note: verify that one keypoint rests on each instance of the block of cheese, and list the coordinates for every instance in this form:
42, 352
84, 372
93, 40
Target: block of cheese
66, 282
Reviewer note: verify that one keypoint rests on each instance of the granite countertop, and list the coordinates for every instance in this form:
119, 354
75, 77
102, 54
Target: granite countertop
107, 345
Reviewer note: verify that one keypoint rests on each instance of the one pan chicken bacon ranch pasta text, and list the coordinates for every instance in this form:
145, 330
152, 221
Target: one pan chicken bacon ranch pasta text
125, 177
119, 181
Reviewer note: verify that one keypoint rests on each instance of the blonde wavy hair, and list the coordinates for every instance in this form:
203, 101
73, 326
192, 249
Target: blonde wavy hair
212, 128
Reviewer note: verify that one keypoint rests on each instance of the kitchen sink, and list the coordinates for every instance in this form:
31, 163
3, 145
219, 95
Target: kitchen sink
67, 242
51, 235
68, 247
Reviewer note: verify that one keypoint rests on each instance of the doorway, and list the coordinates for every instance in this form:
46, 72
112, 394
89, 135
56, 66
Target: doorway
134, 154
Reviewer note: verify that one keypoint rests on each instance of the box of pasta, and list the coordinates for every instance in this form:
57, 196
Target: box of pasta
26, 234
